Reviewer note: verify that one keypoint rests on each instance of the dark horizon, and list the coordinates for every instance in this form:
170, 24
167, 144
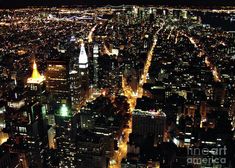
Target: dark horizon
58, 3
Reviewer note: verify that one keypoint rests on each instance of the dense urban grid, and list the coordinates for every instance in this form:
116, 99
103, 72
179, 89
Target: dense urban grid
117, 87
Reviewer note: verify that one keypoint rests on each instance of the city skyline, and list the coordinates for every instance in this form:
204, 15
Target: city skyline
125, 86
186, 3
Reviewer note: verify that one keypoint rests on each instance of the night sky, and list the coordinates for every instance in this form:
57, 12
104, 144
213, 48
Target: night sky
23, 3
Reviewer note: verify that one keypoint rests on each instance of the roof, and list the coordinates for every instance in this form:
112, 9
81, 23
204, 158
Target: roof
83, 59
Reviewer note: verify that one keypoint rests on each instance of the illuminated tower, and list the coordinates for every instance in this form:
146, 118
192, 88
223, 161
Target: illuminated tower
83, 70
83, 61
36, 77
36, 128
36, 84
79, 78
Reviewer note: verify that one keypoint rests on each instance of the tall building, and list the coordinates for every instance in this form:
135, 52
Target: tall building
83, 70
91, 150
57, 81
36, 95
203, 111
25, 120
26, 130
52, 138
36, 77
75, 88
36, 85
83, 61
219, 93
8, 159
79, 78
95, 63
65, 146
109, 74
149, 123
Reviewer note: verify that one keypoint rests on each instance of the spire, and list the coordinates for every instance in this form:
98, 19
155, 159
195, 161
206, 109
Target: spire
35, 74
83, 59
36, 77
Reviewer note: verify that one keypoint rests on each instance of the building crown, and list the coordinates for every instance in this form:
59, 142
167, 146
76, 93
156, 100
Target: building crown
36, 77
83, 59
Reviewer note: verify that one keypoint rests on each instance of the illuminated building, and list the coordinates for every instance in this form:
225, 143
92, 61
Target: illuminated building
184, 14
36, 85
36, 94
79, 78
75, 89
95, 63
83, 71
87, 118
137, 163
109, 74
83, 60
57, 81
83, 67
25, 120
36, 78
203, 111
95, 122
3, 136
65, 145
149, 123
25, 127
189, 110
51, 138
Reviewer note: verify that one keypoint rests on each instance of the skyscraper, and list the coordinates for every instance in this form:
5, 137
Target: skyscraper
25, 120
65, 146
95, 63
36, 85
79, 78
36, 77
26, 130
149, 123
57, 80
75, 88
83, 61
83, 70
